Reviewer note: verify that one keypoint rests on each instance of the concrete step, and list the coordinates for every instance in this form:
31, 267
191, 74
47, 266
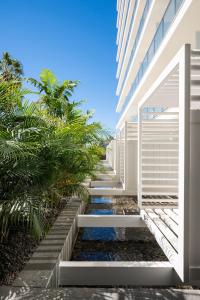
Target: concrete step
110, 192
107, 183
107, 176
113, 273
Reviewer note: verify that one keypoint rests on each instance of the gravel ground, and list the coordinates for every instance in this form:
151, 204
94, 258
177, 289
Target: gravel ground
14, 253
130, 245
120, 205
17, 249
116, 244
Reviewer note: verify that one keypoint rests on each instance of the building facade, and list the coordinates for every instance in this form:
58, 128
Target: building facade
150, 33
155, 151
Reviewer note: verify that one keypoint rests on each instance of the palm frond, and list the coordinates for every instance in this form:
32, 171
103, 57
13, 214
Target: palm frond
47, 149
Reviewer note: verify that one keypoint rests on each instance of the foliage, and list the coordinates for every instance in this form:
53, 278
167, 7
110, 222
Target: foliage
10, 69
47, 150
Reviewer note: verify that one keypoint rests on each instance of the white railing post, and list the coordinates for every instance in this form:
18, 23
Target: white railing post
121, 157
118, 154
114, 154
184, 163
139, 176
125, 156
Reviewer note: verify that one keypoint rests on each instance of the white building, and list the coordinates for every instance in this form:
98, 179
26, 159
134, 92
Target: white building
156, 153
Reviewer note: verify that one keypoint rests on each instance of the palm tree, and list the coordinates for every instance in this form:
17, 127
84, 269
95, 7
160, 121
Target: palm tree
10, 69
47, 149
56, 95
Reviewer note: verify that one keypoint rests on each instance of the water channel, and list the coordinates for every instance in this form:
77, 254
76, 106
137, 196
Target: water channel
115, 244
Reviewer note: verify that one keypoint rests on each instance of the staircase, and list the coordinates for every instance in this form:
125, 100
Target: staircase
106, 183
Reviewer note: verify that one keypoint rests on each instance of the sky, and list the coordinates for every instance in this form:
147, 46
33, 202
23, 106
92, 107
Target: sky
76, 39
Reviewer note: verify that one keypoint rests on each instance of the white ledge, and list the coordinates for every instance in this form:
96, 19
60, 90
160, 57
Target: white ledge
110, 221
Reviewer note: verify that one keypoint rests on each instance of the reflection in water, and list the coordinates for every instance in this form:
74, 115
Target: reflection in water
101, 212
99, 234
103, 233
113, 244
100, 200
95, 256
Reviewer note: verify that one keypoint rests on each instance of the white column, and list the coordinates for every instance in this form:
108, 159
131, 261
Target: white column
118, 155
195, 196
182, 267
125, 157
139, 168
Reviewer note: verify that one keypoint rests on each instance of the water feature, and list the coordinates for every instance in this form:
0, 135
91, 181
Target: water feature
101, 200
114, 244
101, 206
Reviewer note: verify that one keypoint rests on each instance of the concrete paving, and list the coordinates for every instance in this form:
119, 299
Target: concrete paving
25, 293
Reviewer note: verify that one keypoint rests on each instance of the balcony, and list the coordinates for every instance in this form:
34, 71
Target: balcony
140, 29
127, 39
163, 27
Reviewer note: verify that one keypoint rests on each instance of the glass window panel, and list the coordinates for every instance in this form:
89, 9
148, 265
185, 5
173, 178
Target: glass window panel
151, 52
159, 36
178, 4
169, 15
168, 18
145, 63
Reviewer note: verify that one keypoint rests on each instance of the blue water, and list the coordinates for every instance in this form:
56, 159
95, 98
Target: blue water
101, 212
101, 200
96, 256
99, 234
102, 233
109, 243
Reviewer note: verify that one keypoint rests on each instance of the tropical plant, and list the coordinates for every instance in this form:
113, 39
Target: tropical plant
47, 149
10, 68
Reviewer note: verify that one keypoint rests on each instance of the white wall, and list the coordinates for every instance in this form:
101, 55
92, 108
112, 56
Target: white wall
195, 195
131, 167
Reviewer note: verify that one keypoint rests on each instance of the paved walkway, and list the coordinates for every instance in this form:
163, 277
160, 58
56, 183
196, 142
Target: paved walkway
24, 293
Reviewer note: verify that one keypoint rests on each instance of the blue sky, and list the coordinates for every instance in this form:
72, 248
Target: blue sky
74, 38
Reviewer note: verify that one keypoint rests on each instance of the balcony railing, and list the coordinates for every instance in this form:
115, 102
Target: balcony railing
163, 27
121, 18
140, 28
123, 29
129, 31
